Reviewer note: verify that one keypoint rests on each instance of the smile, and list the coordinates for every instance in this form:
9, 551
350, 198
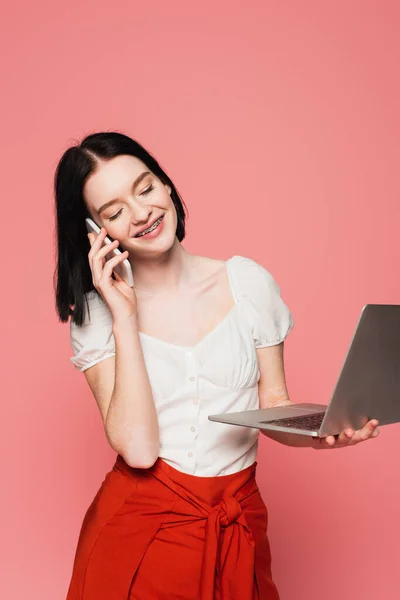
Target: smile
152, 228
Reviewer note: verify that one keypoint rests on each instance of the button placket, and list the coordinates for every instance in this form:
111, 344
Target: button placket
192, 381
192, 461
191, 377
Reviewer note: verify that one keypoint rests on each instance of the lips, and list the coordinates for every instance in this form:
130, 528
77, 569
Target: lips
149, 226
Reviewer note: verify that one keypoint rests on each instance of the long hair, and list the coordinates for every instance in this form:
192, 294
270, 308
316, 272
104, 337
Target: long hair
72, 276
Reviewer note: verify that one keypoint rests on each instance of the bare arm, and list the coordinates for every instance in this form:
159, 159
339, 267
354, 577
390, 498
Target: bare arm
123, 394
272, 391
131, 421
121, 384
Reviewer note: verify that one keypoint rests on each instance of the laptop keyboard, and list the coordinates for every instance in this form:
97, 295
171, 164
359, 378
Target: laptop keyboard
308, 422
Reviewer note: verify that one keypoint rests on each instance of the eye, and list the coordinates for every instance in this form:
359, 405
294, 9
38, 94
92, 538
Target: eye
145, 192
116, 215
148, 190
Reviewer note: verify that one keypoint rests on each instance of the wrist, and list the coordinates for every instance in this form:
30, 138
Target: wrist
125, 324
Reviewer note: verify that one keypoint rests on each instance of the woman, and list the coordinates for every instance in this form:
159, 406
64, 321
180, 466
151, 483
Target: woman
179, 516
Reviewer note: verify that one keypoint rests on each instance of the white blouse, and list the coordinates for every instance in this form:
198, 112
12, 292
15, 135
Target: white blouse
218, 375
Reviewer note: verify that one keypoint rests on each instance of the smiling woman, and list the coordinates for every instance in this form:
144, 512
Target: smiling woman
142, 209
195, 336
113, 198
181, 499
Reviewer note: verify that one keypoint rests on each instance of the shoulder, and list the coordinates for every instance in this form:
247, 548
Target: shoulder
250, 278
95, 310
93, 340
256, 289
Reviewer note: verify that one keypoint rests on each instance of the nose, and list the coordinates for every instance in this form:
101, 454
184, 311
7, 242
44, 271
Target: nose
140, 213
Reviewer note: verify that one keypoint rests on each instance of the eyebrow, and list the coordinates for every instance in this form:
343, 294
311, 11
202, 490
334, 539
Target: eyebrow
135, 184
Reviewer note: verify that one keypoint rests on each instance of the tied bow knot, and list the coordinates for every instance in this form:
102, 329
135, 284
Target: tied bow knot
227, 537
229, 511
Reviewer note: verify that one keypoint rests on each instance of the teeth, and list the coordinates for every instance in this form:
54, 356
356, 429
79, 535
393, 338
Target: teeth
150, 228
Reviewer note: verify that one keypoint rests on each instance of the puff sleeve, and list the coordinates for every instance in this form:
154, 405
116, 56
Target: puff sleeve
94, 340
267, 313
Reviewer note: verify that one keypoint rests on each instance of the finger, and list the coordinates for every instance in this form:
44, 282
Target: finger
346, 436
97, 241
96, 244
113, 262
330, 440
95, 236
109, 272
373, 428
99, 259
106, 249
368, 429
361, 435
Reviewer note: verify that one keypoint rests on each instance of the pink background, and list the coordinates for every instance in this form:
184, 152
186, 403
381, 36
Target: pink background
279, 123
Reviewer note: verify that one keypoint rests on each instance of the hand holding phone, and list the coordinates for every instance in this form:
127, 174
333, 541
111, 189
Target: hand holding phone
123, 269
118, 294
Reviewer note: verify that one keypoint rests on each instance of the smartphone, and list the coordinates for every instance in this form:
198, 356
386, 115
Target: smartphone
123, 268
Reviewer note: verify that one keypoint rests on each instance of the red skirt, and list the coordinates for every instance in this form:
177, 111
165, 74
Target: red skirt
160, 534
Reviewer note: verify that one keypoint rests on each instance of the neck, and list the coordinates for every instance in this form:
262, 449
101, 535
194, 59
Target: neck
163, 273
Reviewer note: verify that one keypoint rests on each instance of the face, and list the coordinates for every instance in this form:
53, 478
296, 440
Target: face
126, 198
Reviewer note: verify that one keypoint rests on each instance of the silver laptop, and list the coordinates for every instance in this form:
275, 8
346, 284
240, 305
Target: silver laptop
368, 386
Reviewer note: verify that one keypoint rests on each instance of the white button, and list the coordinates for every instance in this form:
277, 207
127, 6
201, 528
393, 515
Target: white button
192, 378
188, 354
190, 454
193, 428
195, 401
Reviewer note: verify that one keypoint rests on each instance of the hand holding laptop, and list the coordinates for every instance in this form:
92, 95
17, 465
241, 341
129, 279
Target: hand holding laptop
367, 392
349, 437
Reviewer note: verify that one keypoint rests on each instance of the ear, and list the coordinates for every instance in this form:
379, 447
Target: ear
168, 188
